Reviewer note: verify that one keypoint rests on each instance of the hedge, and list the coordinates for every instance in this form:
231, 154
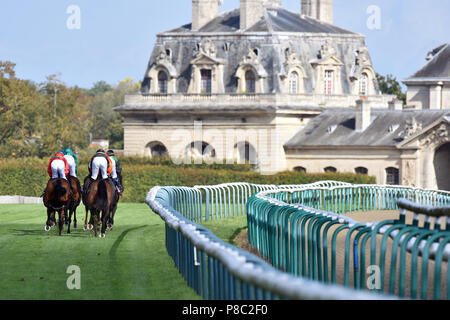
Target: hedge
28, 177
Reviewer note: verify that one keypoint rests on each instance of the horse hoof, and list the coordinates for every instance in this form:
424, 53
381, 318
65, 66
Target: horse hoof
102, 235
90, 227
47, 228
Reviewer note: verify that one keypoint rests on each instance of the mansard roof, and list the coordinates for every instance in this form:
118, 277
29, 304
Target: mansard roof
388, 128
276, 20
437, 68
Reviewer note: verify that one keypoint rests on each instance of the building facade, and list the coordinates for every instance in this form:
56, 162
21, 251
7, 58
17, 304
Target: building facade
246, 84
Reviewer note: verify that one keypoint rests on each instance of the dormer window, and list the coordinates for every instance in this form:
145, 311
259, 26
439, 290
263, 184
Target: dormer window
162, 82
293, 83
206, 81
250, 81
363, 84
328, 82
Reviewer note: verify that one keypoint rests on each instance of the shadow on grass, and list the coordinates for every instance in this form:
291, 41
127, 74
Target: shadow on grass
113, 250
52, 232
235, 234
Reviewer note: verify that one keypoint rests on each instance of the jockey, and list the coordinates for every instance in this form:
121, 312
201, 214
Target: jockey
115, 161
102, 163
58, 166
72, 160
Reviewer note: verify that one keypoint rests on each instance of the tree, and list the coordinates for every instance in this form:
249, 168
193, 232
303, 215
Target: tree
99, 87
106, 123
7, 68
22, 111
69, 123
389, 85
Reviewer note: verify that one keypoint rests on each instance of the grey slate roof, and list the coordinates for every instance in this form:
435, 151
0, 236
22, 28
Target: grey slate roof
277, 20
337, 128
437, 67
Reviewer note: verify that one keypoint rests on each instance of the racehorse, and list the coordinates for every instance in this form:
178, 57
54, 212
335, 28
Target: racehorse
56, 199
74, 201
100, 196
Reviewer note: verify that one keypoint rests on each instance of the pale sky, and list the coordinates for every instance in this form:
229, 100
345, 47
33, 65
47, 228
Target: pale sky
116, 37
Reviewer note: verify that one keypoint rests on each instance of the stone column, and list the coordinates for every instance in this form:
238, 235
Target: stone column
436, 97
428, 172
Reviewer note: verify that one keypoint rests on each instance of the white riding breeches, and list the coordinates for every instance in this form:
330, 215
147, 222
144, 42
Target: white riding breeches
99, 164
58, 169
72, 166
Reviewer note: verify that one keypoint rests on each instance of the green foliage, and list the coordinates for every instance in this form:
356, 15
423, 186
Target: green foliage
100, 87
28, 177
38, 119
389, 85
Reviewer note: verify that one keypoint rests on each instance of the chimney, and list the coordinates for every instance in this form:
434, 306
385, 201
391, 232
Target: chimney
395, 104
363, 114
251, 12
318, 9
203, 11
272, 3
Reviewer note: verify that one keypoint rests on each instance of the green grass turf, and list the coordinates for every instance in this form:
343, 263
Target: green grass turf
130, 263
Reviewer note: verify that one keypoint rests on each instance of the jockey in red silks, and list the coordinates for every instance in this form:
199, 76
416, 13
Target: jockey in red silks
58, 167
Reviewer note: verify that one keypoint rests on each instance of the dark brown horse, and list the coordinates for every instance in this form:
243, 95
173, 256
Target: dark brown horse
99, 196
74, 202
56, 199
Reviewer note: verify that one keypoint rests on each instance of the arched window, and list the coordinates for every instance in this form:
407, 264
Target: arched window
330, 170
201, 149
250, 81
206, 81
329, 85
361, 170
157, 149
441, 167
300, 169
392, 176
363, 84
162, 82
293, 82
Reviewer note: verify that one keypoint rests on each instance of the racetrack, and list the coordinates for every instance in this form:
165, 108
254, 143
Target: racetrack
130, 263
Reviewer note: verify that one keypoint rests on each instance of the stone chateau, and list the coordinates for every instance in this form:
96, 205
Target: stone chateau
287, 91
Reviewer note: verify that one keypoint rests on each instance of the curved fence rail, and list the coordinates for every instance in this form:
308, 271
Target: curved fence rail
316, 252
302, 231
218, 270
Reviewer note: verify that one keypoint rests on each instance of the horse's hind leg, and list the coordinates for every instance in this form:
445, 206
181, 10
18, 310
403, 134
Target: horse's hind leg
105, 219
61, 220
85, 228
94, 220
69, 216
48, 224
75, 217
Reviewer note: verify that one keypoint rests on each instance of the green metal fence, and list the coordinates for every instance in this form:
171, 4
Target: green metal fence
217, 270
298, 231
316, 252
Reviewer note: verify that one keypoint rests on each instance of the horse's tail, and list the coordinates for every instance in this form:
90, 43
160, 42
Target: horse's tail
59, 189
102, 194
